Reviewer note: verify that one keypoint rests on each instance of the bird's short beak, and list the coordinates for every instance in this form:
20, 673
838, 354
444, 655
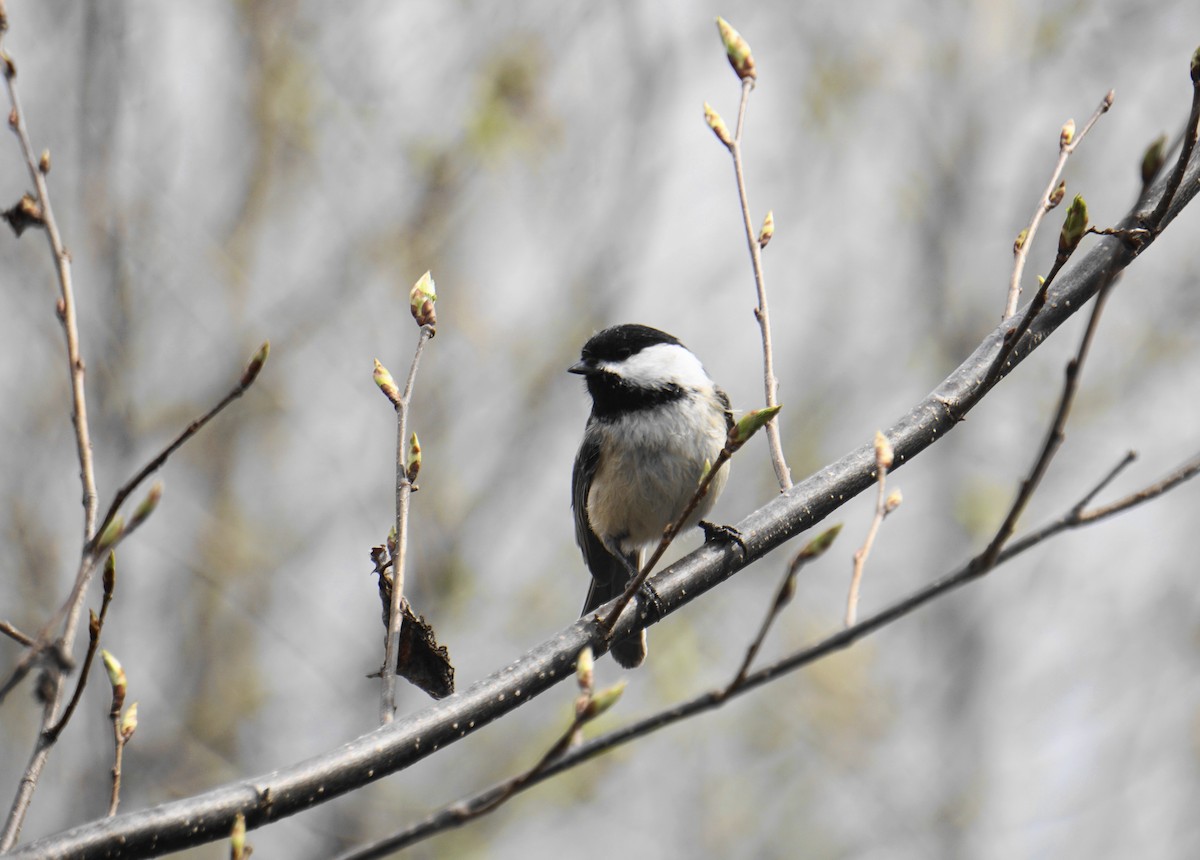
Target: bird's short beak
581, 367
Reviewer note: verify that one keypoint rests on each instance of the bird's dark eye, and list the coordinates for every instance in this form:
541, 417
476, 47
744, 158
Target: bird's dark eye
624, 353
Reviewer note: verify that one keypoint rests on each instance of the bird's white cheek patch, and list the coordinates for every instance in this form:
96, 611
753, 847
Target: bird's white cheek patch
662, 363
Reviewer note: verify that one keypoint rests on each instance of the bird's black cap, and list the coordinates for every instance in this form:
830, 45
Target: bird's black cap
618, 343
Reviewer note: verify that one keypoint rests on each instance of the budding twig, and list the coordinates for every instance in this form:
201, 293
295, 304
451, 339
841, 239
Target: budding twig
421, 303
884, 505
123, 724
588, 706
742, 61
1074, 228
1067, 141
811, 551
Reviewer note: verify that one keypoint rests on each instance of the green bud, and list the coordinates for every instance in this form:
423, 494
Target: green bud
1074, 226
256, 364
816, 547
142, 512
421, 299
604, 700
751, 423
717, 125
768, 229
1153, 160
109, 579
116, 674
129, 722
1020, 241
413, 463
1066, 134
737, 50
237, 838
112, 534
1056, 196
585, 667
386, 384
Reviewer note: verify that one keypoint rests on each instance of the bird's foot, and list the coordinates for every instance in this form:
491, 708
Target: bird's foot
724, 534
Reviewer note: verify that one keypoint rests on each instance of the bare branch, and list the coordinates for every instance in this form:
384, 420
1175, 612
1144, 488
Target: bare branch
1056, 433
811, 551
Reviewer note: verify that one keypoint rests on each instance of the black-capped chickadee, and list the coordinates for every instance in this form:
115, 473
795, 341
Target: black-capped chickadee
656, 420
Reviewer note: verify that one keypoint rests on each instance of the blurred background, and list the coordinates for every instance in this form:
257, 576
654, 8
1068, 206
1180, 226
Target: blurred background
230, 172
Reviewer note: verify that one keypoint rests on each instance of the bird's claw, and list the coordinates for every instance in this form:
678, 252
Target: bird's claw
725, 534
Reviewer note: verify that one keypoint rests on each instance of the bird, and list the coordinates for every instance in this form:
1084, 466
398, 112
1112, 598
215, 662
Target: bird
658, 421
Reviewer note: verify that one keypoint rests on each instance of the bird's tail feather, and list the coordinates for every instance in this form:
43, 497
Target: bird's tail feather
608, 584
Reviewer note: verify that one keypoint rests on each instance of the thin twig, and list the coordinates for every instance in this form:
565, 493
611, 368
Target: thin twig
458, 812
123, 725
883, 506
91, 557
387, 704
1056, 433
1125, 461
38, 168
811, 551
514, 785
770, 383
1066, 146
114, 799
1013, 336
13, 633
66, 305
249, 375
95, 626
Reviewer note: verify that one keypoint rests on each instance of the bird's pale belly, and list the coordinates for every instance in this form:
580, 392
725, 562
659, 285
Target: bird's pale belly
655, 495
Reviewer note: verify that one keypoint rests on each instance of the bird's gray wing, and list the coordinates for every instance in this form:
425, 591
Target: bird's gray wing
609, 573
